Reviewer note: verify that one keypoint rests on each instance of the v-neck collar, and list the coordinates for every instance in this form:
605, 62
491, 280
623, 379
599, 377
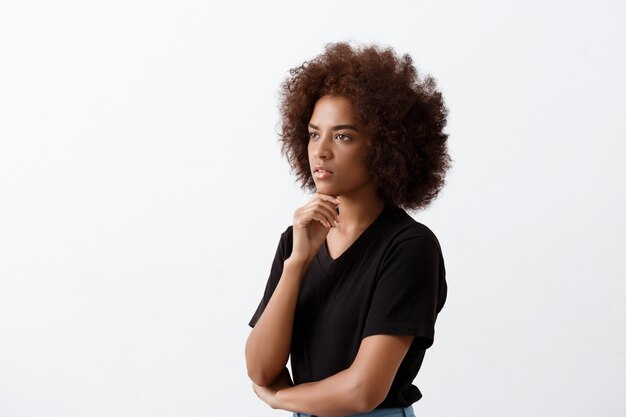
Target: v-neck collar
328, 262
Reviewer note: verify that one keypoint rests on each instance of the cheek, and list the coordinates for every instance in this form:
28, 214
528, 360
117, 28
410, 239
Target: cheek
358, 167
364, 168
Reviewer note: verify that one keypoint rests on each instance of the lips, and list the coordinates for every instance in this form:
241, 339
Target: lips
322, 173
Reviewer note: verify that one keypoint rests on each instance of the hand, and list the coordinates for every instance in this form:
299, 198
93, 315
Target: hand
311, 224
268, 394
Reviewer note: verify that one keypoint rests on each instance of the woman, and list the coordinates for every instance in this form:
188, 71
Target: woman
356, 283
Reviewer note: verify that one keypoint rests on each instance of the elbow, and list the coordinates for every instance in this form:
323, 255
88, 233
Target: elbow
259, 376
366, 396
366, 404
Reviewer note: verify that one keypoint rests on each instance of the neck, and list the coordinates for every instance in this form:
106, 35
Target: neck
358, 211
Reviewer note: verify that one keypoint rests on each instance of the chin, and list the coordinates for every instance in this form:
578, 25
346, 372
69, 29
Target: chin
326, 189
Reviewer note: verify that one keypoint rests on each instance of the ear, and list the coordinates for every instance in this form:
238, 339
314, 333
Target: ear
368, 146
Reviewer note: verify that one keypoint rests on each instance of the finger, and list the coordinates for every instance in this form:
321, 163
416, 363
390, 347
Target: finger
327, 197
305, 214
327, 207
304, 217
323, 220
329, 217
321, 202
323, 199
321, 213
317, 206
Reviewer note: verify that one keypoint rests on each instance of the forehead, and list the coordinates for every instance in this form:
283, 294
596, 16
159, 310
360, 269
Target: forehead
333, 110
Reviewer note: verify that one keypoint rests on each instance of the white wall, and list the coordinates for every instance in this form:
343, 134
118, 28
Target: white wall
142, 194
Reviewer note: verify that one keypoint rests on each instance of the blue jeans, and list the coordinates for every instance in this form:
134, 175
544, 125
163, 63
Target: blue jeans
381, 412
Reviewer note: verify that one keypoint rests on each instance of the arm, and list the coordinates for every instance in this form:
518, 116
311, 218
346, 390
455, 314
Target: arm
269, 343
358, 389
410, 291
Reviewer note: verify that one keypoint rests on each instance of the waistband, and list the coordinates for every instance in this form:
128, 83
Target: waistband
381, 412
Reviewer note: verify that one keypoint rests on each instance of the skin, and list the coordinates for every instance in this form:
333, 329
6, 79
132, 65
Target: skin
351, 187
336, 143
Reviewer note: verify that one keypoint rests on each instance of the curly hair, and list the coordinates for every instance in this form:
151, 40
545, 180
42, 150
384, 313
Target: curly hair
403, 113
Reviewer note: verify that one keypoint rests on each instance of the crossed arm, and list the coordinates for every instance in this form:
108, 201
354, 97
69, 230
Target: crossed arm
358, 389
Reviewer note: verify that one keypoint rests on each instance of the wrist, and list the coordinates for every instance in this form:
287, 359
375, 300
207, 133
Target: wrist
276, 400
298, 264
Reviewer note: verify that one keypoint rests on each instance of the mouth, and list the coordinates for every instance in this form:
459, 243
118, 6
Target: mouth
320, 173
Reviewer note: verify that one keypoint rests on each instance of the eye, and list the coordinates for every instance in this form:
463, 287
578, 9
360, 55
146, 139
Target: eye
342, 138
313, 136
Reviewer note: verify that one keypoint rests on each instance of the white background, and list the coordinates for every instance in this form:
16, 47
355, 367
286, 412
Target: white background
142, 195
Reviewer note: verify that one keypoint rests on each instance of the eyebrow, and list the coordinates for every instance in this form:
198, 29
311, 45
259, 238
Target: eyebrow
338, 127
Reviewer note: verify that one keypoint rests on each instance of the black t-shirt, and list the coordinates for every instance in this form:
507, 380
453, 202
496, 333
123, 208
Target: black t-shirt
391, 280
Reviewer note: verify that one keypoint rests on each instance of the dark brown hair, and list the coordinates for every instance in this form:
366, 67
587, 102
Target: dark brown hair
403, 113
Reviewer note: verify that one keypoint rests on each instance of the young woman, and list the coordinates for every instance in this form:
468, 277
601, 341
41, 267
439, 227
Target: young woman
356, 283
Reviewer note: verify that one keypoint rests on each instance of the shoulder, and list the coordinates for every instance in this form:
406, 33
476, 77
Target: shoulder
285, 245
287, 235
402, 230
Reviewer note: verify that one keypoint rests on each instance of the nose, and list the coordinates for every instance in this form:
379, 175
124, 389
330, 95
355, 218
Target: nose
322, 148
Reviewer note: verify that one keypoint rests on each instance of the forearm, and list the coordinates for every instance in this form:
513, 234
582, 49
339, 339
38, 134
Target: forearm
269, 343
336, 396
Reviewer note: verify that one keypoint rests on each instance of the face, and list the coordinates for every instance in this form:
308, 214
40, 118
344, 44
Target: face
337, 148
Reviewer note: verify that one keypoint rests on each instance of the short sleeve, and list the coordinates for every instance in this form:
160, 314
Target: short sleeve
410, 291
282, 252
